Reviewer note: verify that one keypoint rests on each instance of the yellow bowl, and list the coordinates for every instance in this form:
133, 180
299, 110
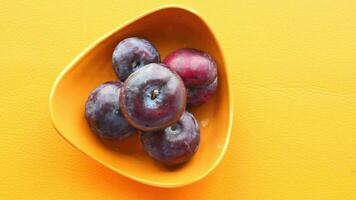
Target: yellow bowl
169, 28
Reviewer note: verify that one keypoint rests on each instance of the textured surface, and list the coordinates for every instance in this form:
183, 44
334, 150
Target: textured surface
293, 75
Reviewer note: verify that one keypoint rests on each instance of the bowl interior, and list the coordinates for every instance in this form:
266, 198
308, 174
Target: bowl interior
168, 29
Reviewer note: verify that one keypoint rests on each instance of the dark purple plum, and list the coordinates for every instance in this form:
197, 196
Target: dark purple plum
201, 94
198, 71
131, 54
175, 144
103, 113
153, 97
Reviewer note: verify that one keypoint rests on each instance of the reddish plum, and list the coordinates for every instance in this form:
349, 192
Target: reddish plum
198, 71
201, 94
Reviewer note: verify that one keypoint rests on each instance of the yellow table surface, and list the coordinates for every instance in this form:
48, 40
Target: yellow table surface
293, 70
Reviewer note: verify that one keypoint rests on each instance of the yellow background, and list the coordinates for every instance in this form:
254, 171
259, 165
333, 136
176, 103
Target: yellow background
293, 67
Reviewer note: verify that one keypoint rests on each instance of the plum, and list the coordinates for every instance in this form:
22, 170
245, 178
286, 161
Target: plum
175, 144
131, 54
198, 71
103, 113
201, 94
153, 97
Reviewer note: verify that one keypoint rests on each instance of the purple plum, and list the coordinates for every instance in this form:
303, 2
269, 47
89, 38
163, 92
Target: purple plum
103, 113
131, 54
175, 144
153, 97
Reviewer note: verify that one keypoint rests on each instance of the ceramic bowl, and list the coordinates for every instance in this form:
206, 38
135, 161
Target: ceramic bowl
168, 28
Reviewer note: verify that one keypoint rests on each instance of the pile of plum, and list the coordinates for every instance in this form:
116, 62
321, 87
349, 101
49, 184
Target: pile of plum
152, 98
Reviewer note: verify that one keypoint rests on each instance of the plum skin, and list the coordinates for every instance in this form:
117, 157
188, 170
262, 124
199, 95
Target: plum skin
153, 97
198, 71
103, 113
131, 54
201, 94
194, 66
175, 144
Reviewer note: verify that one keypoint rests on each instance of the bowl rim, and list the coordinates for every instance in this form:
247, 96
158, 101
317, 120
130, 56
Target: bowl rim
93, 45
